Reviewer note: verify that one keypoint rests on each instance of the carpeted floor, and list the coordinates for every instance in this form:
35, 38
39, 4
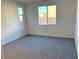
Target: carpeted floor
40, 47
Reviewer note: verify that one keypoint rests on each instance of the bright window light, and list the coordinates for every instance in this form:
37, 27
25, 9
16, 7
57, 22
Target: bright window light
20, 14
52, 14
42, 15
21, 18
20, 11
47, 15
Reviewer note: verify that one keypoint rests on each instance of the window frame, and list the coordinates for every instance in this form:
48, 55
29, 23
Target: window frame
22, 15
47, 15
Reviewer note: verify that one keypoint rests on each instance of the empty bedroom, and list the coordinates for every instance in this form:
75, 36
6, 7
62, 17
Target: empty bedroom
39, 29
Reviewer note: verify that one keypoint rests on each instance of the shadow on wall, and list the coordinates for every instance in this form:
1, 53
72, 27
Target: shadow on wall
12, 35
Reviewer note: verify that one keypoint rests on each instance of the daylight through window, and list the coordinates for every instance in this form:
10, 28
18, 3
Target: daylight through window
47, 15
20, 13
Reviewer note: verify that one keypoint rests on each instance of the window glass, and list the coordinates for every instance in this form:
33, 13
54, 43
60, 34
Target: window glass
42, 12
20, 14
21, 18
52, 14
47, 15
20, 11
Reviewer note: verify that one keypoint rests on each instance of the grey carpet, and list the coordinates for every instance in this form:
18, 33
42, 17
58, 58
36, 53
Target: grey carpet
40, 47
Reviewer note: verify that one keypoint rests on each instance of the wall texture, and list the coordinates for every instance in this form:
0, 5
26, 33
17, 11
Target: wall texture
65, 23
11, 28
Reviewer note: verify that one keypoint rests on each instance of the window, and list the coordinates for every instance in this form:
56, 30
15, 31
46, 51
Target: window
42, 15
47, 15
20, 13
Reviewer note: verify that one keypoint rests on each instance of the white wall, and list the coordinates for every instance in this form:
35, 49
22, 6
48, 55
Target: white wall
11, 28
2, 53
76, 27
65, 19
76, 35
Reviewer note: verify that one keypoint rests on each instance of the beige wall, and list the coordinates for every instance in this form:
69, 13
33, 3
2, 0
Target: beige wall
11, 28
65, 24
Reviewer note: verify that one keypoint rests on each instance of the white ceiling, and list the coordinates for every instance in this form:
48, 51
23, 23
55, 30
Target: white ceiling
28, 1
